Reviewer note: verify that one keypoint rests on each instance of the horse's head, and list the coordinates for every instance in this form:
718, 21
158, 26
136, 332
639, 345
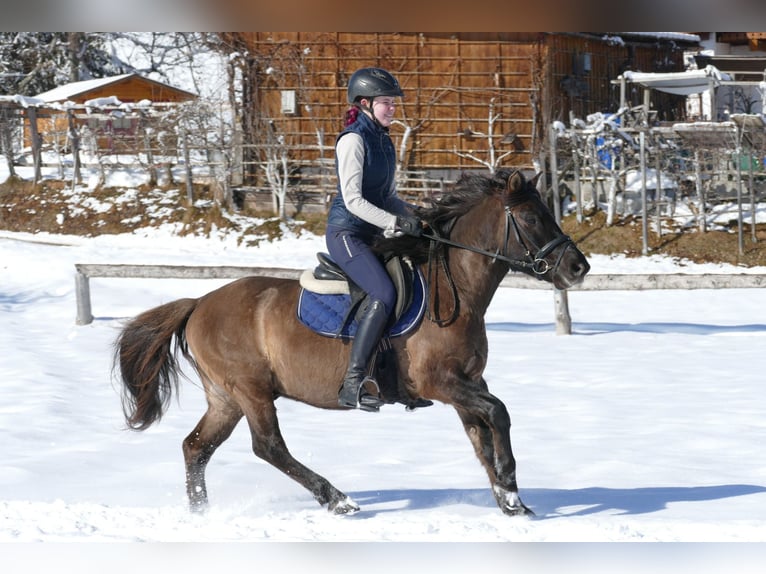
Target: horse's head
502, 218
534, 239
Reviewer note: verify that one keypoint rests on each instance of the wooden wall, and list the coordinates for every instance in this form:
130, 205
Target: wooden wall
449, 81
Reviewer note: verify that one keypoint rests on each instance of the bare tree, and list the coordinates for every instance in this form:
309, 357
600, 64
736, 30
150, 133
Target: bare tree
9, 125
412, 127
493, 159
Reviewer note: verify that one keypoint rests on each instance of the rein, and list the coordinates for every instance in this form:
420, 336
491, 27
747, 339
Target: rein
535, 263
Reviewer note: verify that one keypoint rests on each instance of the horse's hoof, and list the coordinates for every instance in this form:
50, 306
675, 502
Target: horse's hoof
510, 502
344, 507
198, 508
518, 511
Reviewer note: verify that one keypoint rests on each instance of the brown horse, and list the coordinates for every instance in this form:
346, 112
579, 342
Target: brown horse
249, 349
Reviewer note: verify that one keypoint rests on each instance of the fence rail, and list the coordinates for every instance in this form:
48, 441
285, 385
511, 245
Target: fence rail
597, 282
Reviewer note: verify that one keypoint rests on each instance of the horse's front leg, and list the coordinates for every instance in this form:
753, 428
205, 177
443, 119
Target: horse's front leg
488, 426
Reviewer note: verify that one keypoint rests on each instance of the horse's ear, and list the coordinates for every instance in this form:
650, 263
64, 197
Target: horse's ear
534, 180
516, 182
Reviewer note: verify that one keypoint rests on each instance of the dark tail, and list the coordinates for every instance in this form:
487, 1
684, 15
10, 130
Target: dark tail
146, 352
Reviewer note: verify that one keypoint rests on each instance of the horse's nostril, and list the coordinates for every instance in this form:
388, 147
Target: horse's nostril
581, 268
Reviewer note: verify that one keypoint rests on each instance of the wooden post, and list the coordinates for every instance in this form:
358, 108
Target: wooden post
658, 189
753, 235
700, 192
576, 169
74, 137
187, 164
82, 292
560, 298
740, 240
644, 212
36, 144
148, 149
561, 310
623, 91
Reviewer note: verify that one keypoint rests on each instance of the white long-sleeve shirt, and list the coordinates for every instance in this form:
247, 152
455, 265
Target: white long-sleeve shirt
350, 154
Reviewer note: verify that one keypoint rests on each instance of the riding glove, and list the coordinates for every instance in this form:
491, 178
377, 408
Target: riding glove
409, 224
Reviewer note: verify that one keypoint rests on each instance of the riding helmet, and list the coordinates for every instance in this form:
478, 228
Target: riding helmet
370, 83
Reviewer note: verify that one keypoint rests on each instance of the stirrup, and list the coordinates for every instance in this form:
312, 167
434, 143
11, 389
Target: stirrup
364, 399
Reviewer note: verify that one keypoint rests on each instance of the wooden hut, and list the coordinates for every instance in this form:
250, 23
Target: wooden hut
473, 101
110, 117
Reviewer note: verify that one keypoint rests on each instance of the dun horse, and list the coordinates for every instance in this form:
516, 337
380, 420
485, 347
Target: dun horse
249, 348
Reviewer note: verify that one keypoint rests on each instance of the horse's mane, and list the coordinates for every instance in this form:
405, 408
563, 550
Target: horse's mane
456, 201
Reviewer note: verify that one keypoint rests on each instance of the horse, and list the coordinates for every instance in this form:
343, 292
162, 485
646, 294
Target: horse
247, 347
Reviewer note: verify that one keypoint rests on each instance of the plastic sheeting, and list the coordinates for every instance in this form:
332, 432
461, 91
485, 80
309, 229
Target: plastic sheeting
679, 83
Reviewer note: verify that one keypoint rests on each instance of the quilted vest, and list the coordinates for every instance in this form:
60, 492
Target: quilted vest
377, 178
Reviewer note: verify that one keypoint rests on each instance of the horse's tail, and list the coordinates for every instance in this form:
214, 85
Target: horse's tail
146, 352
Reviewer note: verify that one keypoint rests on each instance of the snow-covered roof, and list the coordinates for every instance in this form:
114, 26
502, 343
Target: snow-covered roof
679, 83
69, 91
74, 89
676, 36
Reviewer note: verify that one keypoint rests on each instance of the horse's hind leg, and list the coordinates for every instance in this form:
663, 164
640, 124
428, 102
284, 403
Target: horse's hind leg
269, 445
211, 431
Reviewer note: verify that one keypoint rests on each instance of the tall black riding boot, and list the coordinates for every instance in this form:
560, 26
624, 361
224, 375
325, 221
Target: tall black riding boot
370, 326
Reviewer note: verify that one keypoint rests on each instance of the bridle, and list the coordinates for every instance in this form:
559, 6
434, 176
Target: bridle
536, 263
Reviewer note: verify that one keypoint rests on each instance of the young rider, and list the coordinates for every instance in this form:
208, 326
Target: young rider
366, 206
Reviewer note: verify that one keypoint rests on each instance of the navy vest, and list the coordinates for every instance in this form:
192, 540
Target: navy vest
377, 178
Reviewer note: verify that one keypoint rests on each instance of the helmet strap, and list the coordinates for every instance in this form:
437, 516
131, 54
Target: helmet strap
372, 113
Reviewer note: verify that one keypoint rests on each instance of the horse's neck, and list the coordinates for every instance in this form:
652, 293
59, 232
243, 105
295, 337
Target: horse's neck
470, 277
477, 278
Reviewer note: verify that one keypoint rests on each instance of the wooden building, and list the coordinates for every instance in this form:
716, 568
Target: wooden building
107, 106
473, 101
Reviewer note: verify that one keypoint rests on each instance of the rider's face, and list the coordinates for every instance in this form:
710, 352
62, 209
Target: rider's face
384, 108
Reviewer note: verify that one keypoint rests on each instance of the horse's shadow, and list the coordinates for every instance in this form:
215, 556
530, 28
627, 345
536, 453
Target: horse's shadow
551, 502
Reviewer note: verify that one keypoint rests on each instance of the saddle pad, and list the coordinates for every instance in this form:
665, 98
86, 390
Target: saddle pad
324, 314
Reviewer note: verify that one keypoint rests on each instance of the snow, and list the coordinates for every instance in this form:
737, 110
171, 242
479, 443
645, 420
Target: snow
646, 424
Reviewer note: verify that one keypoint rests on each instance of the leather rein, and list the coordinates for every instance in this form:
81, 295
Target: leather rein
536, 263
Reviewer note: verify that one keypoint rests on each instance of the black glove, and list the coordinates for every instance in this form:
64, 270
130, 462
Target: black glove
409, 224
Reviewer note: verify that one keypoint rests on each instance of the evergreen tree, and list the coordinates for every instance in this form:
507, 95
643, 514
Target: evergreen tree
34, 62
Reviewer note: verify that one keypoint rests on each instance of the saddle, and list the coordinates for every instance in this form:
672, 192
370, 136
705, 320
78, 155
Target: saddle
329, 299
328, 304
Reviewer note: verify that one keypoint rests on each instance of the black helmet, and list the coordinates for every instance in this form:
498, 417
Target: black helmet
372, 82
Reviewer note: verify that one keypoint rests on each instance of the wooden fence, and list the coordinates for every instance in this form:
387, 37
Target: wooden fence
597, 282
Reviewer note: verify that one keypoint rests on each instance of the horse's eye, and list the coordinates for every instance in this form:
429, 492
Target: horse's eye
530, 219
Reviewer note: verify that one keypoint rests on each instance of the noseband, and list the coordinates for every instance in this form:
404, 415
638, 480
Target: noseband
537, 262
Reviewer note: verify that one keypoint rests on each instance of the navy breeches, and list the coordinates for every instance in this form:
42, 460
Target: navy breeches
359, 262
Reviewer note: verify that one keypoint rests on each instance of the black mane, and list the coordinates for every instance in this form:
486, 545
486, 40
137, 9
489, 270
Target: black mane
469, 190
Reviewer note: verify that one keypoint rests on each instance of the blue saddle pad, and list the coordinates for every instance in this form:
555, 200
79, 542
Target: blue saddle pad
324, 314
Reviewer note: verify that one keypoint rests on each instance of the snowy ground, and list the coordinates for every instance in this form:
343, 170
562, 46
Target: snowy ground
646, 424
